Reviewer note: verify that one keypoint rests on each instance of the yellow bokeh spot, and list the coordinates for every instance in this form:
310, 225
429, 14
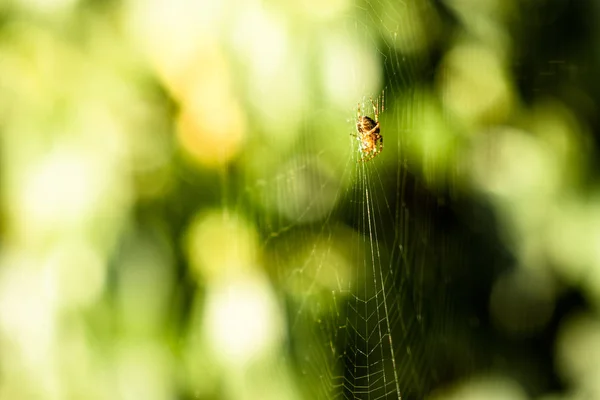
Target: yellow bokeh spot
211, 126
213, 134
220, 245
172, 32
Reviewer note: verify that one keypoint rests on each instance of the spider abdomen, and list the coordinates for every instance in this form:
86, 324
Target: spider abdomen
365, 124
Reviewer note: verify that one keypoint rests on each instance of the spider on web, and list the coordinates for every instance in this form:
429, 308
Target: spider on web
368, 132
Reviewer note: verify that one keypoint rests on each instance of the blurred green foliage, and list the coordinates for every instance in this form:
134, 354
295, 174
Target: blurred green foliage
183, 215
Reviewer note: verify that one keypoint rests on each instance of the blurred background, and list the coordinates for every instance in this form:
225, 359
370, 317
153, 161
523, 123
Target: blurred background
183, 215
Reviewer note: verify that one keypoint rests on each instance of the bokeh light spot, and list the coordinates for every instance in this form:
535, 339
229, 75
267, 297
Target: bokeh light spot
243, 320
220, 244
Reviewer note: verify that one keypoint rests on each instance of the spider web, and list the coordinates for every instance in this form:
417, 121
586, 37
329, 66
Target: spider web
363, 268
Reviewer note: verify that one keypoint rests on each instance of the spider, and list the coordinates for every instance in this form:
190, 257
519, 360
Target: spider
371, 141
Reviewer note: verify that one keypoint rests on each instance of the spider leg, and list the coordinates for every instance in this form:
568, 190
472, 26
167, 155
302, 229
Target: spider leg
375, 109
373, 130
367, 158
364, 155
